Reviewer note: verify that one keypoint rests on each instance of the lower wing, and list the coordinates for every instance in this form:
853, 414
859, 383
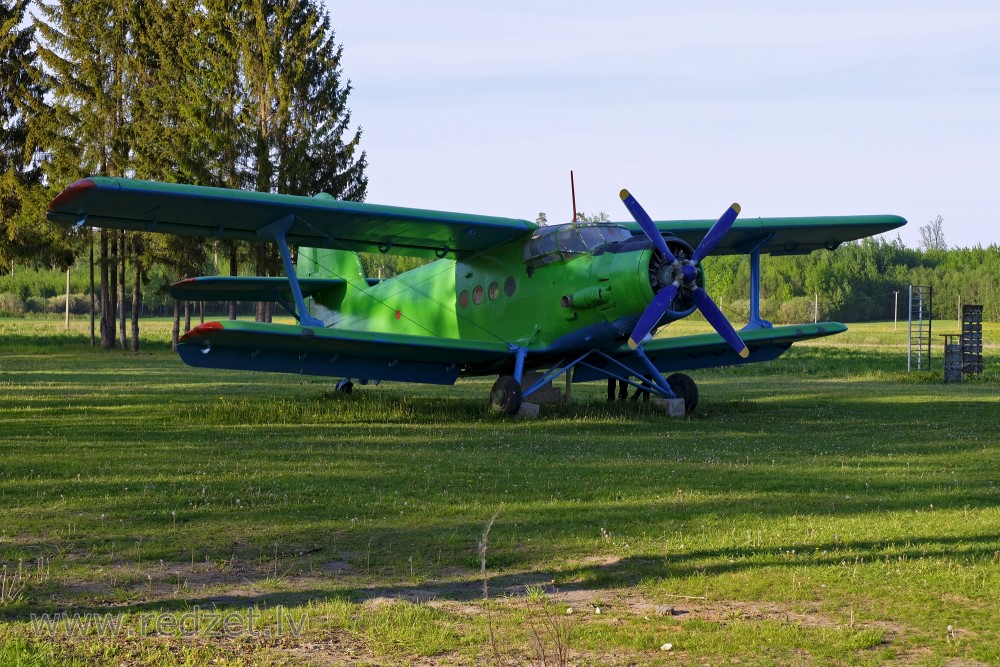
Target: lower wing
710, 350
290, 348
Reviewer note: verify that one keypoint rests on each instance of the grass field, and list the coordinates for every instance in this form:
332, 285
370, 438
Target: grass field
826, 508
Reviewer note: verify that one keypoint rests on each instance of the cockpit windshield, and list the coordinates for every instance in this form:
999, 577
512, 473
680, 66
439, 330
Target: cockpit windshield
558, 242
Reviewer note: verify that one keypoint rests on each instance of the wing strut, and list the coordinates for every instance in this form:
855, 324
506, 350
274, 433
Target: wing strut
653, 379
654, 375
276, 231
756, 321
521, 352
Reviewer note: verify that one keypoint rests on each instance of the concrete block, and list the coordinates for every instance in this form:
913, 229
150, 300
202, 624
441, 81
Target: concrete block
674, 407
545, 394
528, 411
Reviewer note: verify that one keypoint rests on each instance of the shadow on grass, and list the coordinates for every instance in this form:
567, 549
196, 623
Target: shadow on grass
615, 574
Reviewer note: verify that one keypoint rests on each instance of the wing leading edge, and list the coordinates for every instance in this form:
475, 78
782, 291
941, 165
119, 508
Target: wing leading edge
320, 222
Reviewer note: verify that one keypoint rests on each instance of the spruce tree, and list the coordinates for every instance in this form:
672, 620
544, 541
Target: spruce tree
86, 47
317, 151
297, 111
17, 89
25, 234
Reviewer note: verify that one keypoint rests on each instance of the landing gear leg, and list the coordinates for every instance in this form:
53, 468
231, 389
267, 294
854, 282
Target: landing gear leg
345, 386
506, 395
684, 387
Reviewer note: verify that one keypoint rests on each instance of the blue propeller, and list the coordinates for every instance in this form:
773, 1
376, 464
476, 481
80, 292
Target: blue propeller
685, 272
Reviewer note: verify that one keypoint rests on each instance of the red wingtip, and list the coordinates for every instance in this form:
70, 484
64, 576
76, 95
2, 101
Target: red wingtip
201, 329
72, 191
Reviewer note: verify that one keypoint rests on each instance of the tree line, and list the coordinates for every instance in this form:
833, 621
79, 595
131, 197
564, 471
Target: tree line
859, 281
241, 94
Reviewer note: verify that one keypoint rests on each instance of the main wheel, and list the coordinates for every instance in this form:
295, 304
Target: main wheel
506, 395
684, 387
345, 386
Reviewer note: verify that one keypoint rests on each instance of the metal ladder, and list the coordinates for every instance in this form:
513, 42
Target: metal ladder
918, 356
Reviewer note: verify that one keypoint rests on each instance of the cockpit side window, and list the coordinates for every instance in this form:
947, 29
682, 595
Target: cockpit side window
570, 241
547, 243
615, 234
592, 237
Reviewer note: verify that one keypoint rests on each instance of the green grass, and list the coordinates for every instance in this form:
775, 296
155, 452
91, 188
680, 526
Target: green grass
827, 508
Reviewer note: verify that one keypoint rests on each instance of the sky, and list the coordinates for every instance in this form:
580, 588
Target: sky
787, 107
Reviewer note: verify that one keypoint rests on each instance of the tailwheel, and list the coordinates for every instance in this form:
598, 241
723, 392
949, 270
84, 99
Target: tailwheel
345, 386
684, 387
506, 395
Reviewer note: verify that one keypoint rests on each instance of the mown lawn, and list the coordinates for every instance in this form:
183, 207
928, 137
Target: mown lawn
826, 508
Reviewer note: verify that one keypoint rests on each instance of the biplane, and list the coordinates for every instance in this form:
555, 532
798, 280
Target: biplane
499, 296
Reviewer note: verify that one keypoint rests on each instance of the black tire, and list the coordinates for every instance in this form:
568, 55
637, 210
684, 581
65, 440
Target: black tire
345, 386
506, 395
684, 387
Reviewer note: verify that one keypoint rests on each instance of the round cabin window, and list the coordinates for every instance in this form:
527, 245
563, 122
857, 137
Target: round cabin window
477, 295
509, 286
494, 290
463, 298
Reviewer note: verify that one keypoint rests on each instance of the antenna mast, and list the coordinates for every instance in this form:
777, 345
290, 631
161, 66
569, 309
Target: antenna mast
572, 189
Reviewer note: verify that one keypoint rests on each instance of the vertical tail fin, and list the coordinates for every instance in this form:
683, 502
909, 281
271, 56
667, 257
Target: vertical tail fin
329, 263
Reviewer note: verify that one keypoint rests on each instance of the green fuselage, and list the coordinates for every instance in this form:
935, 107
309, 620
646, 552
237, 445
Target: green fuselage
579, 301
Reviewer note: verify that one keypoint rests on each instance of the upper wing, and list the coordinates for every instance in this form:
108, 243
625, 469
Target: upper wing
290, 348
781, 236
320, 222
710, 350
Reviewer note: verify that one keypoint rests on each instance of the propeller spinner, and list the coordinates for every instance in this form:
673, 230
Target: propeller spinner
685, 272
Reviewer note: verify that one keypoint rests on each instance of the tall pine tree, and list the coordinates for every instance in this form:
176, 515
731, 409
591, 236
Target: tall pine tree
316, 150
87, 49
296, 112
24, 232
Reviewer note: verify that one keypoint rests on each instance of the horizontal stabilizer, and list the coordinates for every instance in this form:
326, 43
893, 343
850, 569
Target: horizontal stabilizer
249, 288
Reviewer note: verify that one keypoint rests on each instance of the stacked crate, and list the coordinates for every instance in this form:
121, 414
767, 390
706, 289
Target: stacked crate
972, 340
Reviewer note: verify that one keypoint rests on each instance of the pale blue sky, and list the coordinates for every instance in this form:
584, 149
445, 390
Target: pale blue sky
789, 108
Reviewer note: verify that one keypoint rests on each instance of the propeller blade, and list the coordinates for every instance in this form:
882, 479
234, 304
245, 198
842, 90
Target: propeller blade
719, 321
647, 225
654, 311
716, 233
